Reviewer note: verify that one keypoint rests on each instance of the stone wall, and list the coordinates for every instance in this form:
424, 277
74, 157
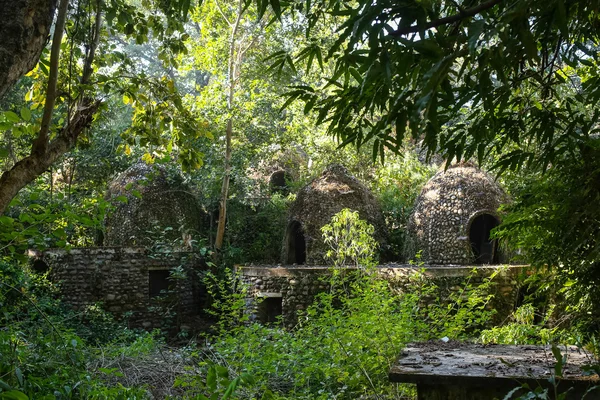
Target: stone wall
119, 278
297, 286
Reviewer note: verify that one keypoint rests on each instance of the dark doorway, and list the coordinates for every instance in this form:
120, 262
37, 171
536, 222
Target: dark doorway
39, 266
484, 248
296, 245
158, 281
270, 309
278, 183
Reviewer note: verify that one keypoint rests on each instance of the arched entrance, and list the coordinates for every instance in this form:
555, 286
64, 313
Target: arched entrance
278, 183
484, 248
296, 245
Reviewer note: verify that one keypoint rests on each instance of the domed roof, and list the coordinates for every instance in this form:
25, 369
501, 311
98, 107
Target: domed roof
453, 215
149, 198
318, 202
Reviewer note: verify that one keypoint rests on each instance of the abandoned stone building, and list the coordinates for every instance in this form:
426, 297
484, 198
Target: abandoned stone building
453, 216
451, 224
279, 182
132, 283
280, 170
314, 207
130, 275
148, 199
284, 292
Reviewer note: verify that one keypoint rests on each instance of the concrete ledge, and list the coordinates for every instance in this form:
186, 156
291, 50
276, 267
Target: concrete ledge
394, 269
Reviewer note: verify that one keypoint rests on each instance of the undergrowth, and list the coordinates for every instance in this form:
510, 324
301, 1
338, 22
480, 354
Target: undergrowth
342, 347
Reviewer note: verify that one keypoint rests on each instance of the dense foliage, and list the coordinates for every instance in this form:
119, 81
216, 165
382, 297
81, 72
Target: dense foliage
554, 219
227, 92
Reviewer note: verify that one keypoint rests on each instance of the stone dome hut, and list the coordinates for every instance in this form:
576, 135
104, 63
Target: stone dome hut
148, 198
314, 207
453, 217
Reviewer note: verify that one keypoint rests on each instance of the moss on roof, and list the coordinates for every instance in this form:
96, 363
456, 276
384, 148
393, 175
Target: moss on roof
324, 197
148, 198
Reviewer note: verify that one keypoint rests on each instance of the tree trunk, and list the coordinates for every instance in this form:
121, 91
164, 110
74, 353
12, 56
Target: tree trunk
32, 166
231, 82
43, 152
224, 188
24, 31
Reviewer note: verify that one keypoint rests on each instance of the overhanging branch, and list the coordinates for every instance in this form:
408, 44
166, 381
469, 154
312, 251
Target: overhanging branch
447, 20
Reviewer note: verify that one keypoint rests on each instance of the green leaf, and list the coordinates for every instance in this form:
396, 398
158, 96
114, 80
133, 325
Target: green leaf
211, 379
25, 114
4, 152
222, 371
4, 220
561, 18
475, 30
231, 388
529, 43
19, 375
276, 8
185, 7
122, 199
13, 395
11, 116
560, 361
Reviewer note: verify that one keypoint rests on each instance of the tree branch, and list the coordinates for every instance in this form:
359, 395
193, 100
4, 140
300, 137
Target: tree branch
30, 167
87, 68
447, 20
41, 143
222, 13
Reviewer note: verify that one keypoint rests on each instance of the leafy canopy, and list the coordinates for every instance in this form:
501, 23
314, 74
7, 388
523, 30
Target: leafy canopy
514, 79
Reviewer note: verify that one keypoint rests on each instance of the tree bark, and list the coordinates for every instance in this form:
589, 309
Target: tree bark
39, 146
32, 166
231, 82
224, 188
24, 31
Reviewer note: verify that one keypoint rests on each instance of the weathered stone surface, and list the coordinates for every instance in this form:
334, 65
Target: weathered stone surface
122, 283
155, 200
468, 371
320, 200
448, 204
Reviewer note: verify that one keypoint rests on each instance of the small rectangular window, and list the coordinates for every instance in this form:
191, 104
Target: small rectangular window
158, 281
269, 309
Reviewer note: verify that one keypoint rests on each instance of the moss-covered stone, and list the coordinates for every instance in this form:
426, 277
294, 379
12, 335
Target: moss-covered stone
444, 212
318, 202
149, 199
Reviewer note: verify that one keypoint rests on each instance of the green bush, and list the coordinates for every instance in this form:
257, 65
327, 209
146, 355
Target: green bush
345, 343
42, 354
256, 229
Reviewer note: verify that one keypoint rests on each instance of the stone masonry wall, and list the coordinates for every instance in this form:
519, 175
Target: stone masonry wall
298, 286
118, 277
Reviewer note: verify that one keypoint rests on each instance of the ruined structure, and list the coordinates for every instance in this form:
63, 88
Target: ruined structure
314, 207
453, 217
149, 199
132, 283
282, 292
